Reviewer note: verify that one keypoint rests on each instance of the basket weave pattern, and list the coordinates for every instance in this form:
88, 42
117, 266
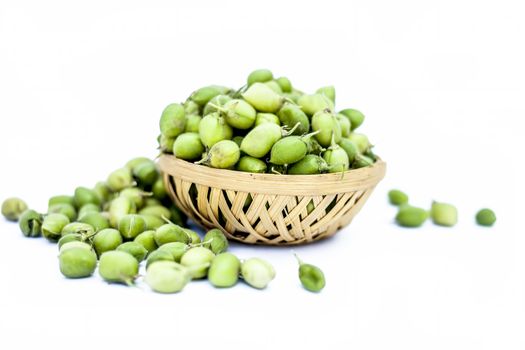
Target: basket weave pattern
265, 208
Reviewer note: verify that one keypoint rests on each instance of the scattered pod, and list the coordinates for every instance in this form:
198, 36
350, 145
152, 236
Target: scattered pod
171, 233
224, 270
259, 76
135, 249
289, 149
147, 240
263, 98
251, 165
193, 122
409, 216
285, 84
397, 197
344, 123
63, 208
485, 217
12, 208
259, 141
213, 128
311, 277
262, 118
223, 155
356, 118
361, 161
349, 147
119, 267
106, 240
239, 114
198, 260
173, 120
158, 255
188, 146
444, 214
257, 272
85, 230
205, 94
131, 225
77, 262
167, 277
52, 226
327, 126
337, 159
61, 199
88, 209
191, 108
328, 91
311, 164
120, 179
290, 115
272, 84
146, 173
360, 141
30, 223
215, 103
176, 249
119, 207
215, 241
70, 237
311, 104
84, 195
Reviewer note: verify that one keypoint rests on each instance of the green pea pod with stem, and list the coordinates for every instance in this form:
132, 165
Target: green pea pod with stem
259, 76
311, 104
188, 146
259, 140
327, 126
290, 114
213, 128
263, 98
290, 149
222, 155
311, 277
173, 120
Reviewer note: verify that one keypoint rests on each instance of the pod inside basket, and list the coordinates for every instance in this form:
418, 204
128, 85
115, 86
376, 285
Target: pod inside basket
269, 209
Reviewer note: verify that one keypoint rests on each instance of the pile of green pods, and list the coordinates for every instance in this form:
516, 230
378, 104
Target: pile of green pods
266, 126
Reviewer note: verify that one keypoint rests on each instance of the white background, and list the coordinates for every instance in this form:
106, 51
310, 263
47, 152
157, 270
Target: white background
442, 85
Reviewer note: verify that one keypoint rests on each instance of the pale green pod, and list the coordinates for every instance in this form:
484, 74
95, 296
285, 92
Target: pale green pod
205, 94
167, 277
63, 208
239, 114
53, 225
272, 84
106, 240
135, 162
311, 164
156, 210
215, 103
193, 122
485, 217
311, 104
288, 150
119, 207
328, 91
327, 126
337, 159
188, 146
356, 117
409, 216
191, 108
153, 222
158, 255
198, 260
171, 233
224, 270
88, 209
349, 147
84, 195
262, 118
360, 141
75, 244
102, 191
257, 272
77, 262
444, 214
173, 120
290, 115
119, 267
120, 179
135, 249
285, 84
70, 237
259, 141
61, 199
223, 155
259, 76
397, 197
176, 249
213, 128
85, 230
131, 225
147, 240
215, 241
251, 165
12, 208
344, 123
263, 98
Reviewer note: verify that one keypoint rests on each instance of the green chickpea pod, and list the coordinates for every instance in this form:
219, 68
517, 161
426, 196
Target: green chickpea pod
311, 277
12, 208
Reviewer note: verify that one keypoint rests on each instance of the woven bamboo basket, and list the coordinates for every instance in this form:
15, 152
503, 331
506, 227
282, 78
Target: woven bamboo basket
279, 212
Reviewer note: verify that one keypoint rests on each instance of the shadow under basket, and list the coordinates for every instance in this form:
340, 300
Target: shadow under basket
269, 209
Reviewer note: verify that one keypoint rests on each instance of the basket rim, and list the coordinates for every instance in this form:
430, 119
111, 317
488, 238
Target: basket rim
306, 185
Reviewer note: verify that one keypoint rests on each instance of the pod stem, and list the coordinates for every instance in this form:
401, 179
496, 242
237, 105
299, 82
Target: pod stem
200, 244
298, 259
291, 131
307, 136
217, 107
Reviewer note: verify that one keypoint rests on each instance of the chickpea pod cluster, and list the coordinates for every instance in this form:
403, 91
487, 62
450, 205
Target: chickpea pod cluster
266, 126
